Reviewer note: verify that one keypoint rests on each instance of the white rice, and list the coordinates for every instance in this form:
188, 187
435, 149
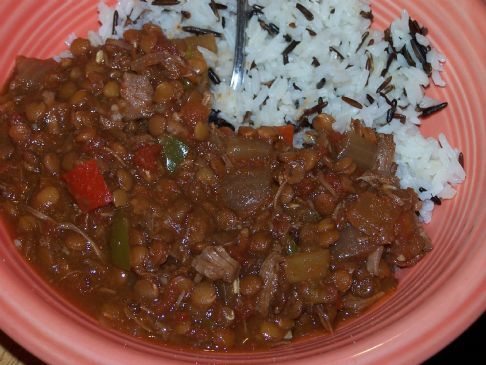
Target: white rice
268, 91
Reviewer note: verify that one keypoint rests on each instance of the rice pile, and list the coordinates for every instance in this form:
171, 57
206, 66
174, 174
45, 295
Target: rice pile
303, 53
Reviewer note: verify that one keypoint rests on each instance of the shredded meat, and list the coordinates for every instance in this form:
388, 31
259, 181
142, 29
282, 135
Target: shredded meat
216, 264
137, 91
269, 272
385, 154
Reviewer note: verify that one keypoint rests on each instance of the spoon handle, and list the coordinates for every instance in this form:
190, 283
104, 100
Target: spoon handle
239, 56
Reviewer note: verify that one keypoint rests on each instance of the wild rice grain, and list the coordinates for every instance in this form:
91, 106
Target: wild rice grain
274, 28
340, 56
421, 53
352, 102
384, 84
363, 38
288, 50
460, 159
213, 76
391, 112
315, 109
433, 109
311, 32
165, 2
215, 7
402, 118
407, 56
388, 89
115, 23
415, 28
271, 28
367, 14
321, 83
370, 99
392, 57
436, 200
369, 63
219, 122
200, 31
256, 10
306, 12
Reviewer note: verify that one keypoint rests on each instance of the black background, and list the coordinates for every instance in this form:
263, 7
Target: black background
469, 348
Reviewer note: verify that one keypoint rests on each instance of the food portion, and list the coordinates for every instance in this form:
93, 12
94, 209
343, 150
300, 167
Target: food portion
167, 227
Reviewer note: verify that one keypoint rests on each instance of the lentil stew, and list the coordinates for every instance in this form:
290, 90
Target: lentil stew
170, 228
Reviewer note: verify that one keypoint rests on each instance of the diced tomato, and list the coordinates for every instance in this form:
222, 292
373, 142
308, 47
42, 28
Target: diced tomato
86, 183
193, 112
147, 157
287, 133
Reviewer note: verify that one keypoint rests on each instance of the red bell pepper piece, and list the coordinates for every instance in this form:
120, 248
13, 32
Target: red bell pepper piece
147, 157
86, 183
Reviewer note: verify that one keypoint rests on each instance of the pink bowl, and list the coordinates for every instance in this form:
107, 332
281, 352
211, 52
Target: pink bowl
436, 300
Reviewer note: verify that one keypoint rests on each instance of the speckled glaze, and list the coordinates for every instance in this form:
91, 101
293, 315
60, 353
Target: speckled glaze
436, 300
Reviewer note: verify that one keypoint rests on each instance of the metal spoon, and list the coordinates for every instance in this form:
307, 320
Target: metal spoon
239, 56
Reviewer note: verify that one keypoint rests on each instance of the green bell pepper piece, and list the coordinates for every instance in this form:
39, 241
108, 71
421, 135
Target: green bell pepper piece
118, 239
175, 152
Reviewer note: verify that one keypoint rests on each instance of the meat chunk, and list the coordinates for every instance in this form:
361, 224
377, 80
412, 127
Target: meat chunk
269, 272
216, 264
30, 73
137, 92
352, 244
245, 193
373, 215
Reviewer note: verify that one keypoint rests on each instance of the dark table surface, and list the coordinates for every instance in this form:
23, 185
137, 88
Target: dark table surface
469, 348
